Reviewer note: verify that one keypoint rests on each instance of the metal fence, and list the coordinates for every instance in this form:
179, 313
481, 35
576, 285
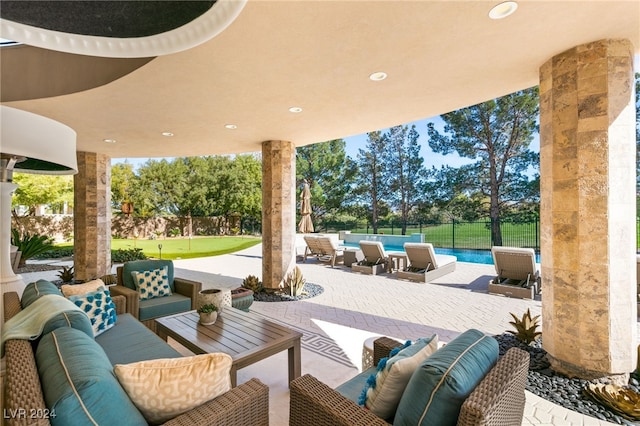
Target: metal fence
453, 234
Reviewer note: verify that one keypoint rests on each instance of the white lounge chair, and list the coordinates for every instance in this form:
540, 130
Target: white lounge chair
517, 272
375, 259
424, 264
313, 247
331, 253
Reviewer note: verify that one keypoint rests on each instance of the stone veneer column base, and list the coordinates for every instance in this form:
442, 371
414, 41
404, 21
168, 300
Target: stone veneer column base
572, 370
278, 211
92, 216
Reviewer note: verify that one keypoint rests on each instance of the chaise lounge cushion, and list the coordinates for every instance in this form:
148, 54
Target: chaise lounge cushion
440, 385
33, 291
384, 390
76, 375
194, 380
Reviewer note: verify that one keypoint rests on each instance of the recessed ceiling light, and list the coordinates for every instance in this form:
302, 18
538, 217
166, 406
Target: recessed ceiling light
230, 126
109, 140
378, 76
503, 10
167, 134
295, 110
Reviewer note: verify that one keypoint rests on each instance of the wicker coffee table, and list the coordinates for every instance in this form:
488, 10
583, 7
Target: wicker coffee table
247, 337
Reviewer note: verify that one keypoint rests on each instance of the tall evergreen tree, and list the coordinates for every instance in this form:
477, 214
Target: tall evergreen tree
329, 173
404, 168
497, 134
371, 184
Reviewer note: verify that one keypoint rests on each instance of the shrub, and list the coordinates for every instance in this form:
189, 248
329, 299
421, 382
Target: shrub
127, 255
30, 245
55, 253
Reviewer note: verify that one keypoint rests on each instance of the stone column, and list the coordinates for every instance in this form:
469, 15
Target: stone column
588, 230
92, 216
278, 211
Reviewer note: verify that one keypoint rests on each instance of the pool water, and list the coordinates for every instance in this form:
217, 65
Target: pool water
463, 255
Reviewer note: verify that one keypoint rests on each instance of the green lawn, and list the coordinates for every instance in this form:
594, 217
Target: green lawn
183, 248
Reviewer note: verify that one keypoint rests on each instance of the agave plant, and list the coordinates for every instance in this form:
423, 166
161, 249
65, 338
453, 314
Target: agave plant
30, 245
252, 283
525, 328
295, 282
622, 401
66, 275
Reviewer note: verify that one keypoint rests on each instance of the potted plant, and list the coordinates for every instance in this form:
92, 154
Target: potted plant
208, 313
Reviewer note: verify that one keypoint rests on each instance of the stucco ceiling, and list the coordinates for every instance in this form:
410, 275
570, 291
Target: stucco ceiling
316, 55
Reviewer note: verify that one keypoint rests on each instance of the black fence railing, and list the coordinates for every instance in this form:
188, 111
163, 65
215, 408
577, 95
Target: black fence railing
453, 234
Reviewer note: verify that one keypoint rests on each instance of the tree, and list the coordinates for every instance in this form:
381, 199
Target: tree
122, 182
404, 168
35, 189
371, 184
497, 134
329, 173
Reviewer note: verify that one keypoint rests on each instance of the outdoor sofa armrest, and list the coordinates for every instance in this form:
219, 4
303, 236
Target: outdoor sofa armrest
132, 304
381, 348
11, 304
121, 304
246, 404
314, 403
189, 289
499, 398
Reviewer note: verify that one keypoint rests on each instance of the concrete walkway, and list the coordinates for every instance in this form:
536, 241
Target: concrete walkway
354, 307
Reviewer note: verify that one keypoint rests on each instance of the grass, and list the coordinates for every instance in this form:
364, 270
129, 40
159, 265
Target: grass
475, 235
185, 248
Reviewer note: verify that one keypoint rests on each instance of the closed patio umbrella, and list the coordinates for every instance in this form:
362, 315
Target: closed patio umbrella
305, 226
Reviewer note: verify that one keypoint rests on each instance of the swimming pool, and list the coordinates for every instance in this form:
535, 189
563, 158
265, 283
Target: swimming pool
463, 255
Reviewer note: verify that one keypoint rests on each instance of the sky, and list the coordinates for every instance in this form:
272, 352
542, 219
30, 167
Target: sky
354, 143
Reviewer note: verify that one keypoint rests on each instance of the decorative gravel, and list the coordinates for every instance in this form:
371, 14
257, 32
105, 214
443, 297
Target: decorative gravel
557, 388
310, 290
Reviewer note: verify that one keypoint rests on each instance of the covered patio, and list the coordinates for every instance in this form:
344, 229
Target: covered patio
288, 74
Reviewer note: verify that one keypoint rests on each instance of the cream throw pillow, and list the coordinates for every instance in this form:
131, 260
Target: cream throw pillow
165, 388
80, 289
384, 390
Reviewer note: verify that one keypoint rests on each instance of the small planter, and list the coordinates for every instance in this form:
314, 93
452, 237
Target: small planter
208, 318
241, 298
211, 296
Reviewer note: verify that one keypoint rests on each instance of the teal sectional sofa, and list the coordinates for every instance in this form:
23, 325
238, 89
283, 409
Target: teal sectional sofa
66, 377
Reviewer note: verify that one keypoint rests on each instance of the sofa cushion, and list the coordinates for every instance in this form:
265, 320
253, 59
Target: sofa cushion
163, 306
79, 289
74, 319
99, 307
437, 389
165, 388
352, 388
130, 341
78, 382
152, 284
37, 289
383, 391
145, 265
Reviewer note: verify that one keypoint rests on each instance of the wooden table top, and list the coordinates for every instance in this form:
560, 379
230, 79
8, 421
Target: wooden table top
243, 335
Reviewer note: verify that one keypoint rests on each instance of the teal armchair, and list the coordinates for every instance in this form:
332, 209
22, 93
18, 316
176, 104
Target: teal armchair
184, 293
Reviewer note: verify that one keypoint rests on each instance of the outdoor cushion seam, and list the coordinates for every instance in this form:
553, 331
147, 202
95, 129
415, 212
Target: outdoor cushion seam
455, 361
73, 387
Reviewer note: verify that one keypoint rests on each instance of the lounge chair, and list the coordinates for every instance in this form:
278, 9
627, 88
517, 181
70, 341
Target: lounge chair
331, 253
518, 275
375, 259
424, 264
313, 247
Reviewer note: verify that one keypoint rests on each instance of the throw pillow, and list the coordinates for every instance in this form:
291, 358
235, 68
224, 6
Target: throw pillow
437, 389
99, 307
33, 291
78, 289
78, 383
152, 284
165, 388
383, 391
